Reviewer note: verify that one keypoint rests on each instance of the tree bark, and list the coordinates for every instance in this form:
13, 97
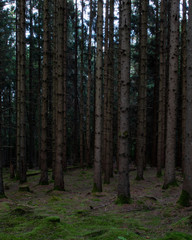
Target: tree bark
172, 96
98, 101
44, 108
142, 95
123, 182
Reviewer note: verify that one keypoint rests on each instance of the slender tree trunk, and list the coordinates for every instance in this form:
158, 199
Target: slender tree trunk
119, 85
1, 167
187, 184
172, 96
43, 156
123, 182
98, 101
65, 89
111, 86
81, 88
59, 181
142, 97
184, 79
88, 146
22, 78
75, 81
105, 149
161, 112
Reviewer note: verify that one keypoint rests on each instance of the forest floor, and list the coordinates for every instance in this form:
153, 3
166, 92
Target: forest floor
77, 213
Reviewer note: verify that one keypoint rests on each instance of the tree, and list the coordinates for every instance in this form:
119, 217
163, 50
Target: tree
142, 95
123, 182
187, 184
183, 77
44, 108
98, 101
21, 156
88, 146
172, 96
162, 82
59, 181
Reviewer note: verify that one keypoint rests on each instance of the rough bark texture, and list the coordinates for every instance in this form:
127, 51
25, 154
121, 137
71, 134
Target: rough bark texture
81, 90
187, 185
98, 101
172, 96
59, 180
105, 147
184, 79
21, 100
65, 89
123, 182
161, 112
43, 155
142, 97
1, 168
88, 146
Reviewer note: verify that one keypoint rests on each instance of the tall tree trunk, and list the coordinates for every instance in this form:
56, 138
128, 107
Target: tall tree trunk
88, 133
59, 181
105, 148
142, 96
44, 155
184, 79
98, 101
1, 167
75, 81
123, 182
21, 107
81, 88
111, 85
161, 112
187, 184
172, 96
65, 89
31, 153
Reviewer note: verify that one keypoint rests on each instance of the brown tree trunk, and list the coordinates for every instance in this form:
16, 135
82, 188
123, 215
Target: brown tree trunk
142, 95
21, 100
59, 181
98, 101
1, 167
88, 146
123, 182
187, 184
184, 79
44, 108
81, 89
172, 96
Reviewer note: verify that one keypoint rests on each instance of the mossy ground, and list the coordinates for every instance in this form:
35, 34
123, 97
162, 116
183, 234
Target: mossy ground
77, 213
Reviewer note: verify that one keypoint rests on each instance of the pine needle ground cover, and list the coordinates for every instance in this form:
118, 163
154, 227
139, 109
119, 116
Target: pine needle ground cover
43, 213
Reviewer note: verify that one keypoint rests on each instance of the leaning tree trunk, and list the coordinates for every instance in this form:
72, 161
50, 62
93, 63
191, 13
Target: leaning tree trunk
172, 96
97, 187
123, 182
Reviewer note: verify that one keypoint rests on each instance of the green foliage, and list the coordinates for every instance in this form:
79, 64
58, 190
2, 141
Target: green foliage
184, 199
177, 236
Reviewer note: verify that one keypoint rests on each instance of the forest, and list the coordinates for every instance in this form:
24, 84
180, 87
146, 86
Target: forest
95, 119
